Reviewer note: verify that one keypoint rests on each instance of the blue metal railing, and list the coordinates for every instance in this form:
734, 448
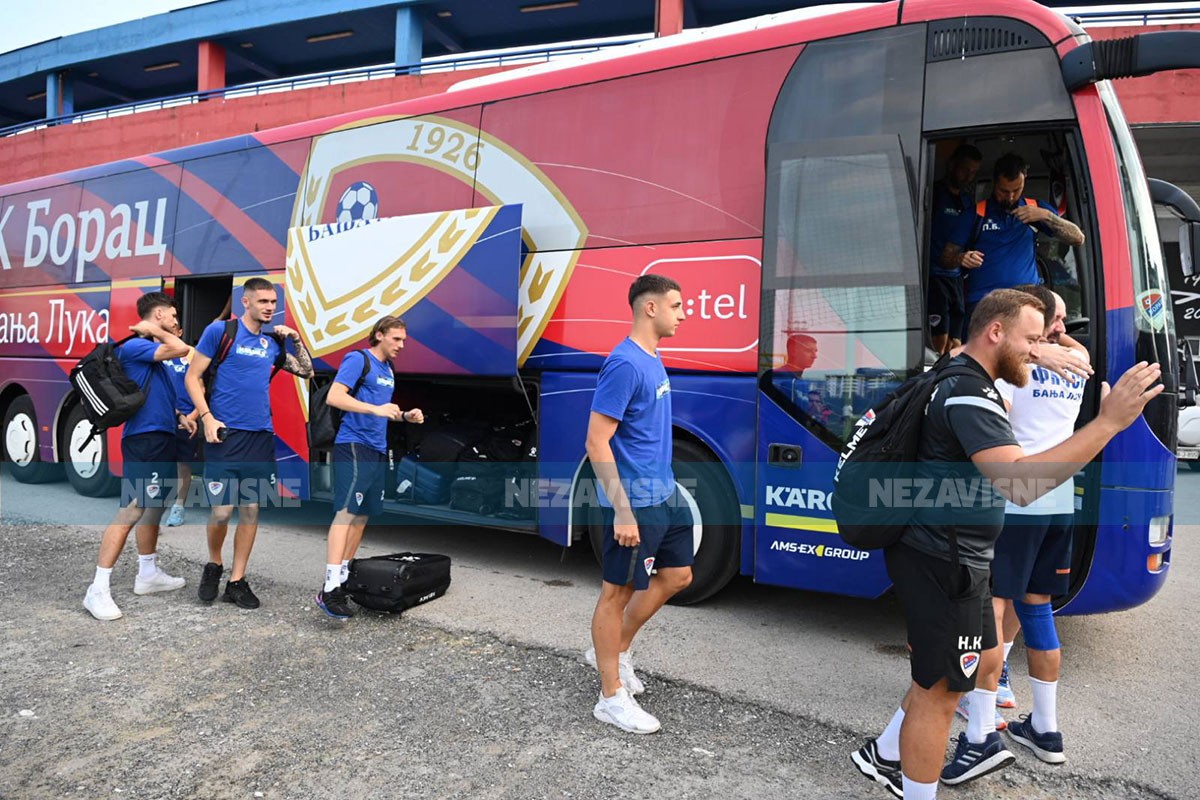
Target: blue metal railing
476, 61
425, 67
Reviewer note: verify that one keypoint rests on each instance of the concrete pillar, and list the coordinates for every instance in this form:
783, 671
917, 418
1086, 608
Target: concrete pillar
668, 17
210, 73
60, 95
409, 37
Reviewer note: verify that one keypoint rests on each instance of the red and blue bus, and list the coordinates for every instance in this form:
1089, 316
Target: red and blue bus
779, 168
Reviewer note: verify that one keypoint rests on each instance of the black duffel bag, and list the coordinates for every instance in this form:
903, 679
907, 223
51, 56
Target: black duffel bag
399, 581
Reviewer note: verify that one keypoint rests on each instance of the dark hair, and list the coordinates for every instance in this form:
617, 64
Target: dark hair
1043, 293
1009, 166
384, 325
152, 300
258, 285
1004, 305
966, 152
650, 284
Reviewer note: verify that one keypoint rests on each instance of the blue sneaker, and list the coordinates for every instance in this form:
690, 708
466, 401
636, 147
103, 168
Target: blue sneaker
1004, 694
963, 711
1046, 746
973, 761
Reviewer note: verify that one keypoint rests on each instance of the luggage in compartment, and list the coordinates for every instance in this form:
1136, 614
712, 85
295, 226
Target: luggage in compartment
398, 581
417, 483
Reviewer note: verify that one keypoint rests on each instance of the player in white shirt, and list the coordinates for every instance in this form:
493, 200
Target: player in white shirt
1033, 554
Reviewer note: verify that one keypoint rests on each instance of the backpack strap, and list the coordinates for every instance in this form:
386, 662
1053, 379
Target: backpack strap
362, 378
228, 336
280, 357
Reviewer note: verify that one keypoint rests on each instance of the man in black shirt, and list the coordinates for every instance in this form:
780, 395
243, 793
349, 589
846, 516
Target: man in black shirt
970, 463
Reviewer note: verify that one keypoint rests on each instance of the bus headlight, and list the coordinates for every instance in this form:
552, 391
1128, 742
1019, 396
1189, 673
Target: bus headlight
1160, 528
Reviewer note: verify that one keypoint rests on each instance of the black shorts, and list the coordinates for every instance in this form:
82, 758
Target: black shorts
187, 448
359, 476
149, 472
240, 471
667, 540
1033, 556
945, 305
949, 627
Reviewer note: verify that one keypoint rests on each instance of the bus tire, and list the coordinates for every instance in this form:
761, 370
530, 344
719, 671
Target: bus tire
704, 484
87, 464
21, 444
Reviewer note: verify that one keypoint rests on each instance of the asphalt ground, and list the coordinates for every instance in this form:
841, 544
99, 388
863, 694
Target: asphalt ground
762, 692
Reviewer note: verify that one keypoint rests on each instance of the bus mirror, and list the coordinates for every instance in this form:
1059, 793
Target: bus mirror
1189, 382
1189, 247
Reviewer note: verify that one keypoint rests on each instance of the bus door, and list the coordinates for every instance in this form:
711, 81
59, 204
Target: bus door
842, 317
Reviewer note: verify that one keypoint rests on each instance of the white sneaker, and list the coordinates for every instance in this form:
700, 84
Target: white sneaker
175, 518
624, 712
629, 678
158, 582
100, 605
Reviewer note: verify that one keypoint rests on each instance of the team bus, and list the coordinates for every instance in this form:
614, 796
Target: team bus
779, 168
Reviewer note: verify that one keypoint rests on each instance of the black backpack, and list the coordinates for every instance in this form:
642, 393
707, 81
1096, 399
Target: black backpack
883, 449
324, 420
108, 396
228, 336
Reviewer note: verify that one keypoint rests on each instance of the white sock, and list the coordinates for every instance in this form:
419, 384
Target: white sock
888, 742
981, 708
918, 791
344, 571
1007, 648
147, 565
1045, 705
101, 581
332, 577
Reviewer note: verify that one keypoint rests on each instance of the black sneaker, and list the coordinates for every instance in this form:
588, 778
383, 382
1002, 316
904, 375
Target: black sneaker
335, 603
210, 581
971, 761
239, 592
879, 769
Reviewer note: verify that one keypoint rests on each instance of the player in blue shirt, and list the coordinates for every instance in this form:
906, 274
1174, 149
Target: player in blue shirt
647, 524
187, 442
239, 450
360, 452
148, 449
998, 249
953, 207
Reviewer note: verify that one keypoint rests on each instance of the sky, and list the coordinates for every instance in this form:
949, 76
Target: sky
28, 22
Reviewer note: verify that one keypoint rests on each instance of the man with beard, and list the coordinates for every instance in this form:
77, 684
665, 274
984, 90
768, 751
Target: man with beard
940, 566
998, 250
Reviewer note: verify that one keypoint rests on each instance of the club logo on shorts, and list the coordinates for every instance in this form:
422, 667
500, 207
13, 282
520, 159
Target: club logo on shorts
649, 564
152, 490
934, 319
215, 487
968, 662
358, 498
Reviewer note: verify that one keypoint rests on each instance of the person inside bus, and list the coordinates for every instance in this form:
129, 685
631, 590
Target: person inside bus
801, 355
940, 568
187, 452
997, 249
148, 448
360, 452
953, 206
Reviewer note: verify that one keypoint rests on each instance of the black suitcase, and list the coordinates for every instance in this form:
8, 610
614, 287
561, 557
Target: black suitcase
399, 581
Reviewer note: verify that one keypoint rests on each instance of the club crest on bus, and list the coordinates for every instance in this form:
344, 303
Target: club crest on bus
553, 231
1152, 306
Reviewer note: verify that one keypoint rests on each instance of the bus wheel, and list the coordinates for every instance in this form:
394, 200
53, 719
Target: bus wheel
87, 461
21, 444
704, 487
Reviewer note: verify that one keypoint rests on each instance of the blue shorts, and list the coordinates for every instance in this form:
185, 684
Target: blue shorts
149, 472
666, 537
187, 448
1033, 555
359, 476
240, 471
